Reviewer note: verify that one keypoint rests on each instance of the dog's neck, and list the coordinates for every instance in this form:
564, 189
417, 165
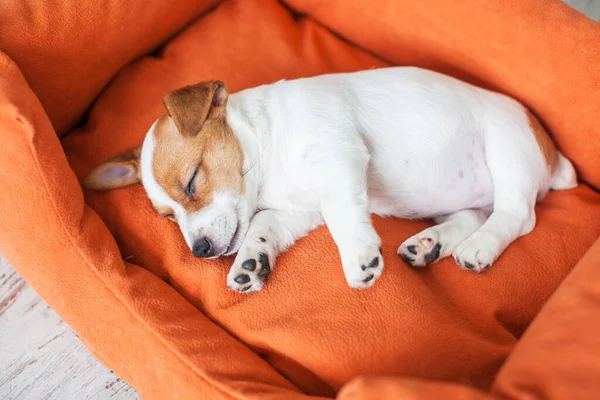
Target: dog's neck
247, 123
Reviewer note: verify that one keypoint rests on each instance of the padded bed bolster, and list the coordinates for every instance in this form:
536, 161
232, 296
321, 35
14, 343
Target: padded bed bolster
544, 53
130, 319
68, 50
166, 324
556, 359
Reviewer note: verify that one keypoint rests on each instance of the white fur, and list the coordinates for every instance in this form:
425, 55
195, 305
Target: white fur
403, 142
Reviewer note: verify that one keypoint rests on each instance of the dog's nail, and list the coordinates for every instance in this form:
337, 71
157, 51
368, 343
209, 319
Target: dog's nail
249, 265
468, 265
241, 279
412, 248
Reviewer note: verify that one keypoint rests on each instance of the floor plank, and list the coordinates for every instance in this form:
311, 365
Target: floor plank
591, 8
40, 356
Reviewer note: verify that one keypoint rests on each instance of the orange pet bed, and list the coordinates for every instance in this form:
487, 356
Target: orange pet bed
80, 84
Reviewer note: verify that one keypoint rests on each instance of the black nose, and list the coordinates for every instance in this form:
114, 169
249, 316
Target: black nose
203, 248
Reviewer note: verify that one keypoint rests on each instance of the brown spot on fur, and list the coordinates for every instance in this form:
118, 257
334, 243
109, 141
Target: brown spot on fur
191, 106
214, 148
545, 142
164, 211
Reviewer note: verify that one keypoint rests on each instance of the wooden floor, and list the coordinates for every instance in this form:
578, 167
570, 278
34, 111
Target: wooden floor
42, 358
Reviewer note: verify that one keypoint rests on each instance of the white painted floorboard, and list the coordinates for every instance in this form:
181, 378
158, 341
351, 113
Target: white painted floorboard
41, 357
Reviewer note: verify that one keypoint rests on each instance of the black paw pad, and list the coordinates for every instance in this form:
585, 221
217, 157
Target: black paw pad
407, 259
241, 279
468, 265
368, 278
373, 264
249, 265
265, 268
412, 249
434, 254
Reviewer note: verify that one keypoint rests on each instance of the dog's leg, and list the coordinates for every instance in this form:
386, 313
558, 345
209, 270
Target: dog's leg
269, 234
344, 206
440, 240
510, 219
517, 169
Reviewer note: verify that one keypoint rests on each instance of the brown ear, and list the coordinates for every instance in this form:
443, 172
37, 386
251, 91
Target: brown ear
191, 106
122, 170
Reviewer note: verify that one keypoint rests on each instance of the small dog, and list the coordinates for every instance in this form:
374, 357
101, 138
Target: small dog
253, 172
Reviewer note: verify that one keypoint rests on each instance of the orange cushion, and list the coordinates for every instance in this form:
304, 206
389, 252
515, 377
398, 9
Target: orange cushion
556, 358
130, 319
68, 50
546, 56
164, 321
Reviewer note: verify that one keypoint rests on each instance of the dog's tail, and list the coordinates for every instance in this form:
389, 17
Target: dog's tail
564, 176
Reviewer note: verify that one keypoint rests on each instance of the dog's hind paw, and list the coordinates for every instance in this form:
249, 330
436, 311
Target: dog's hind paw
478, 252
421, 249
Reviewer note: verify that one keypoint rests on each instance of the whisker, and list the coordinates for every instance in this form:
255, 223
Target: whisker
249, 168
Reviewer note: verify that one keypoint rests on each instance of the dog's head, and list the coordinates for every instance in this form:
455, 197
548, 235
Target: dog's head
191, 166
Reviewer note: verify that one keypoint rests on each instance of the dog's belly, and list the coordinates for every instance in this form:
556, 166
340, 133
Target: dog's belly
413, 182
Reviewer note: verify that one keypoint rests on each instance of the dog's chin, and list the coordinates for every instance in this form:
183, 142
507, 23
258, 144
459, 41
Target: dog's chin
236, 239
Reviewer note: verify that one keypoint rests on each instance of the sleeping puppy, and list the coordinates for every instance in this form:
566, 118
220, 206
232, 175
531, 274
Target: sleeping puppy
253, 172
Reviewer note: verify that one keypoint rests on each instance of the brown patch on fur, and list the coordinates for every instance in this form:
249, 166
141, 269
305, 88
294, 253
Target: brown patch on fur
192, 105
166, 212
214, 148
545, 142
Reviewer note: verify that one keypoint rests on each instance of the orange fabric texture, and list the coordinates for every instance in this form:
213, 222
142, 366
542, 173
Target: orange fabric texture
68, 50
556, 358
164, 321
130, 319
544, 55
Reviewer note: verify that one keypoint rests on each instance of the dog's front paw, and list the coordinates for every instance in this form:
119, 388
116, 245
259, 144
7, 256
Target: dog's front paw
363, 269
478, 252
251, 268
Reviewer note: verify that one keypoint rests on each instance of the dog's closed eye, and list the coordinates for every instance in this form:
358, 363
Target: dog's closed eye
190, 188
